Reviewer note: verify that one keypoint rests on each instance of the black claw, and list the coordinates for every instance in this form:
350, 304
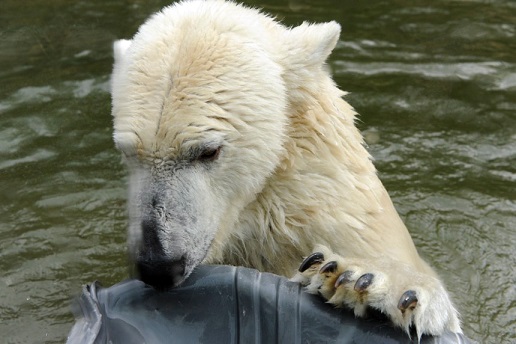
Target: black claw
364, 282
344, 278
329, 267
316, 257
407, 301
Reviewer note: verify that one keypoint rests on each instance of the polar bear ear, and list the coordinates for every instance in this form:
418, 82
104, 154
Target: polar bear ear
119, 49
311, 44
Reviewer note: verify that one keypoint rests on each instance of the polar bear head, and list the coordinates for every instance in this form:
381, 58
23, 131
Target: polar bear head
202, 99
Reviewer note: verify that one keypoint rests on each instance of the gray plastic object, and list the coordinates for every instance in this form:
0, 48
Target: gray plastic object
225, 304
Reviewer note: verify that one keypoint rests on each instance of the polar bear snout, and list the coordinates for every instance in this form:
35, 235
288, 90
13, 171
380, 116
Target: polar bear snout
171, 223
154, 266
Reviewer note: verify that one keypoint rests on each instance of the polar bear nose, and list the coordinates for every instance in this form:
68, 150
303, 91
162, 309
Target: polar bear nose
161, 273
154, 267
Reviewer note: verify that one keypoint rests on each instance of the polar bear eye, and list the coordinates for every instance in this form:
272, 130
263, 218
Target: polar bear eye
210, 154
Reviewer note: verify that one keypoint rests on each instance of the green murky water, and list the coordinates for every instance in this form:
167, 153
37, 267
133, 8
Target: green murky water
434, 81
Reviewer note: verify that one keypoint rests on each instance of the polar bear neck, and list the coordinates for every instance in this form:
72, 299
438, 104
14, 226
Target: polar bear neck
324, 191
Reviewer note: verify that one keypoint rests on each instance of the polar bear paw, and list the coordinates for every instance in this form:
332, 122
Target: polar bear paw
407, 296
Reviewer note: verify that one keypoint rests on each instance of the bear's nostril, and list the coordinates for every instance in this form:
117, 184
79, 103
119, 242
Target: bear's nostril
160, 272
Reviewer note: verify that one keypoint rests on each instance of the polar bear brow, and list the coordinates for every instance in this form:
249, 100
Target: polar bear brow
229, 121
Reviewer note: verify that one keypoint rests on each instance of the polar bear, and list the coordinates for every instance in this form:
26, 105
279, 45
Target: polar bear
241, 150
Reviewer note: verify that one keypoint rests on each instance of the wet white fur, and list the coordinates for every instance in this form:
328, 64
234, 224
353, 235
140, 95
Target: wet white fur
293, 171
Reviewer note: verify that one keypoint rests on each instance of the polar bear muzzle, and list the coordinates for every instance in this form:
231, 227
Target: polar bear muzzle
173, 220
152, 264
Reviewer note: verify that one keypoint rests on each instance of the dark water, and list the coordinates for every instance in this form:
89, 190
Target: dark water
434, 81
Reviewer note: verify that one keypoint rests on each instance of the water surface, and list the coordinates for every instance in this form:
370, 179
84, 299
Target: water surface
434, 82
